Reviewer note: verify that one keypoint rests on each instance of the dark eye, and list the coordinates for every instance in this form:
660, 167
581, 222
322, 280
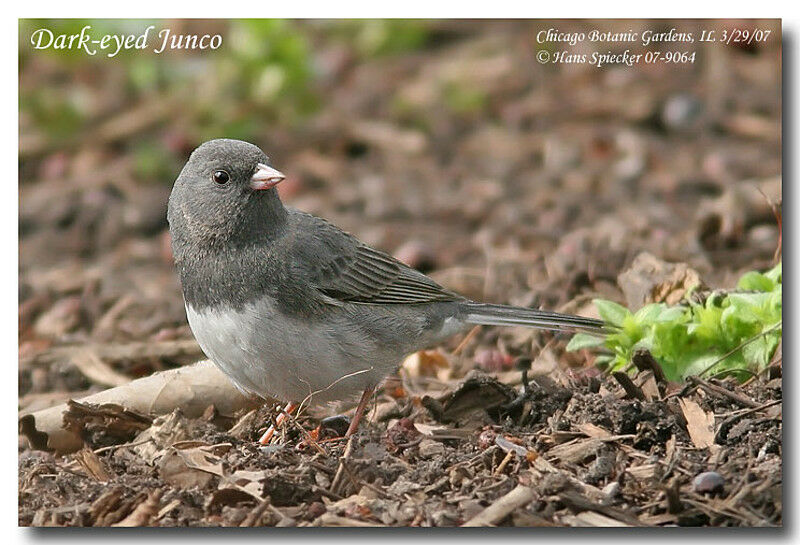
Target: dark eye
221, 177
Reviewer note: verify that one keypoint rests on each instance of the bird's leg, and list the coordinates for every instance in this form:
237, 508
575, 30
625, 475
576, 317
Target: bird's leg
365, 397
279, 420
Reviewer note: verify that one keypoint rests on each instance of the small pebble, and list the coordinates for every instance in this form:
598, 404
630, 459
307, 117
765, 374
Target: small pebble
709, 482
680, 112
334, 426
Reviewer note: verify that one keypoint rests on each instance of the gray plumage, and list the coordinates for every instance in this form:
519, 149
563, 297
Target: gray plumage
291, 307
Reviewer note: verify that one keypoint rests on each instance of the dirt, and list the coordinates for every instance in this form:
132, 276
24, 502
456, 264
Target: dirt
543, 195
584, 448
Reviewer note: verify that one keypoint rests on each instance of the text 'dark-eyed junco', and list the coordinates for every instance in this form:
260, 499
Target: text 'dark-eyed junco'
293, 308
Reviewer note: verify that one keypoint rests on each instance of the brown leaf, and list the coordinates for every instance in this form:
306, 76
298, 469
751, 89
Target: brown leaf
174, 470
192, 465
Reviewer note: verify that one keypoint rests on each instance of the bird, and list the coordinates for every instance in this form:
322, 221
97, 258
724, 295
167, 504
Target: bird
291, 307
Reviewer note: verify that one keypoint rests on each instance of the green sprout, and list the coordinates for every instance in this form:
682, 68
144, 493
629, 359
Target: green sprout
733, 333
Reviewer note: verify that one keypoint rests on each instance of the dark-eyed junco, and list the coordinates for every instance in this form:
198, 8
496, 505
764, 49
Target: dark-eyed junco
293, 308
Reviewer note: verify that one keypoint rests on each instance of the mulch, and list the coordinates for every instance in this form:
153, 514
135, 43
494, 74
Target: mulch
543, 194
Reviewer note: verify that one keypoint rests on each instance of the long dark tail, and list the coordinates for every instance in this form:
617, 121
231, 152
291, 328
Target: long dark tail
486, 314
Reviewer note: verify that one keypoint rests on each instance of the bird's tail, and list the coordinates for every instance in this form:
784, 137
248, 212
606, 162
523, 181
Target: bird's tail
487, 314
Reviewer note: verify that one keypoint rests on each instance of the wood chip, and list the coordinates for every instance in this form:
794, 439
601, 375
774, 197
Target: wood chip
647, 382
592, 519
642, 472
651, 280
699, 423
575, 451
93, 465
143, 512
631, 389
592, 430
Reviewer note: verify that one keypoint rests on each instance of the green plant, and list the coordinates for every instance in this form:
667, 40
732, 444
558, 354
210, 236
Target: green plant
736, 332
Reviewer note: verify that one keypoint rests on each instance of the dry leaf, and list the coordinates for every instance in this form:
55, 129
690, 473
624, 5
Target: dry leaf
96, 370
192, 465
191, 388
143, 512
166, 431
651, 280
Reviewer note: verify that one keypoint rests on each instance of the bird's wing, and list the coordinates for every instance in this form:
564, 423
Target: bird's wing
343, 268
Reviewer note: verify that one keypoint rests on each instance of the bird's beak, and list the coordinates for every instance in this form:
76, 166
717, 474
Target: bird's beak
266, 177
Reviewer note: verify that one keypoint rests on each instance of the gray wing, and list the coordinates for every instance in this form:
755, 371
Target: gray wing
343, 268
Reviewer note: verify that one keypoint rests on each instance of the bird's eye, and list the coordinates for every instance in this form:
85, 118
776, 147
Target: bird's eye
221, 177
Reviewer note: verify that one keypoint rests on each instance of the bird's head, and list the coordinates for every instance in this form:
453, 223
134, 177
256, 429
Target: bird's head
225, 194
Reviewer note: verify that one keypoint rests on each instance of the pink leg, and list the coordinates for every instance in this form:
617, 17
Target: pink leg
362, 405
279, 420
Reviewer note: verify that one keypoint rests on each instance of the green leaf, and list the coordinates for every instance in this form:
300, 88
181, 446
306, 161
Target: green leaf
580, 341
649, 313
671, 314
686, 339
755, 281
611, 312
776, 273
749, 307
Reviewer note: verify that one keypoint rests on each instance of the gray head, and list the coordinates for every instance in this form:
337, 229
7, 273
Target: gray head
225, 195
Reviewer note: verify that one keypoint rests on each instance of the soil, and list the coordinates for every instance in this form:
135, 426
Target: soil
544, 194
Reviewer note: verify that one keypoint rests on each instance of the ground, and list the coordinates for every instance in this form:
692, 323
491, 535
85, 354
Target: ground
507, 181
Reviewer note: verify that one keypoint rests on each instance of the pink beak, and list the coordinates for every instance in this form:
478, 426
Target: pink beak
266, 177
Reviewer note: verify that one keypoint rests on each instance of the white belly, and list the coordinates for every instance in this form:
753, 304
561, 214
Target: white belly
272, 355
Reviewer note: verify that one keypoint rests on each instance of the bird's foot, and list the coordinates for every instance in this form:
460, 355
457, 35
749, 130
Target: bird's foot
279, 420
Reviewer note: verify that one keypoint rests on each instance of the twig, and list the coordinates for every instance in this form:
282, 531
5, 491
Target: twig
509, 456
471, 335
718, 390
337, 479
123, 445
731, 420
518, 497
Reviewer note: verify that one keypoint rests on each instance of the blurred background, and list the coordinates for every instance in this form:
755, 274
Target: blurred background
444, 143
